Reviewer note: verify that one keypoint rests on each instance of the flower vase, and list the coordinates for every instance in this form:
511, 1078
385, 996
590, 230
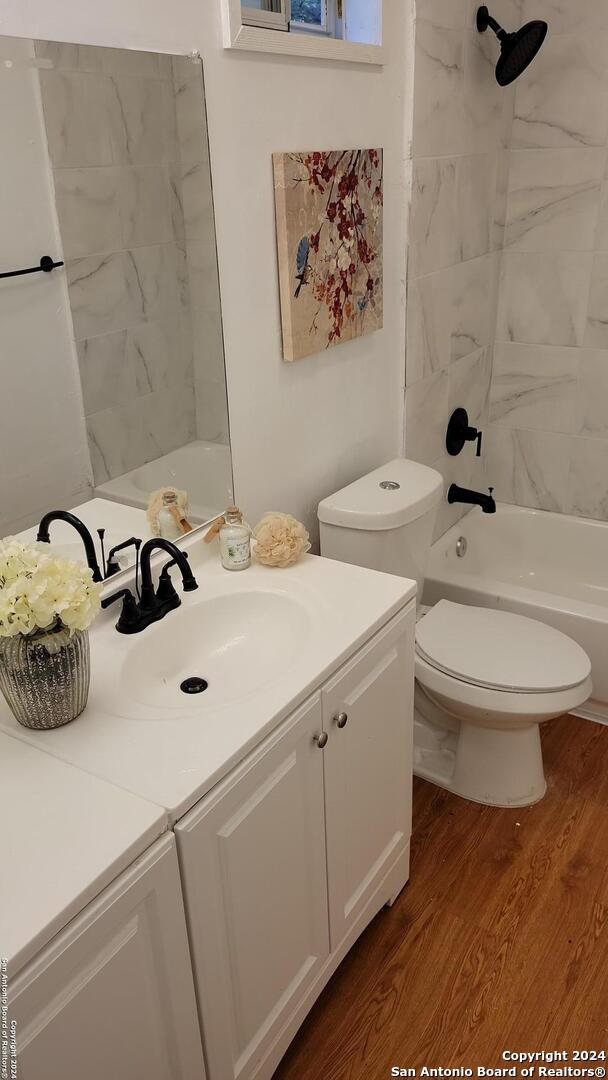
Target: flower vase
45, 675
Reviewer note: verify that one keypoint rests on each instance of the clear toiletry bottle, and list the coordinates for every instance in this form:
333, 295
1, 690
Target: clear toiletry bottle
168, 523
235, 541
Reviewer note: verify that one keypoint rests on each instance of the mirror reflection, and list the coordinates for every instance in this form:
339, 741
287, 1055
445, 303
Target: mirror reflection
112, 359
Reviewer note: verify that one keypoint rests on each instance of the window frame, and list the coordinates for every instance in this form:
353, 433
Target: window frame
312, 43
269, 20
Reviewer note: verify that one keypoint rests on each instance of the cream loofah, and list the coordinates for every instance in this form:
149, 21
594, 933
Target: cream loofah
280, 540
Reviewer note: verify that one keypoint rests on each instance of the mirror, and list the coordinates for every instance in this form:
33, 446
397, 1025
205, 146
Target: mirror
112, 360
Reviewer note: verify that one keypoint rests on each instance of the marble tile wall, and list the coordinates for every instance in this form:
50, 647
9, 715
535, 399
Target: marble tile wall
461, 130
128, 145
547, 444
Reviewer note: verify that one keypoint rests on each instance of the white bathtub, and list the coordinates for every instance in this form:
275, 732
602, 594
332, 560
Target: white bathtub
203, 469
551, 567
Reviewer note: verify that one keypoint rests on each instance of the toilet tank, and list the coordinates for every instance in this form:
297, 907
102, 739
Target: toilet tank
384, 520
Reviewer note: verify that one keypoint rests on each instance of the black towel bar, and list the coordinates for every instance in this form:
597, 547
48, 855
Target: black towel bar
46, 265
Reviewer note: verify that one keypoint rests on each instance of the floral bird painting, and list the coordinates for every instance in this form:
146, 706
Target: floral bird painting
329, 239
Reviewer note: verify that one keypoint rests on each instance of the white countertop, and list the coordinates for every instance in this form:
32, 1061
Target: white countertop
64, 836
176, 757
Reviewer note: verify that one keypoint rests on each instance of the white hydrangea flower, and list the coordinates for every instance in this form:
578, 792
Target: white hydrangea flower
39, 589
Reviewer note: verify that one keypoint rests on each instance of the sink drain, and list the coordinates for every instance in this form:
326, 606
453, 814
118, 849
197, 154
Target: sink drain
194, 685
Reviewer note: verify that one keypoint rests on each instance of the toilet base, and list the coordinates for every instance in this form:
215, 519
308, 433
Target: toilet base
494, 766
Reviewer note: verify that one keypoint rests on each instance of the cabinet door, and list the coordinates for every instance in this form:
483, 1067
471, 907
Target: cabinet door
252, 855
113, 994
368, 717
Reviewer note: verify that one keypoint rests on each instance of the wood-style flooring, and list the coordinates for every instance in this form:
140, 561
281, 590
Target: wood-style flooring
499, 941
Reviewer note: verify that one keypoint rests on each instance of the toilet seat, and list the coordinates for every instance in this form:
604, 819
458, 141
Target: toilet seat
496, 708
497, 651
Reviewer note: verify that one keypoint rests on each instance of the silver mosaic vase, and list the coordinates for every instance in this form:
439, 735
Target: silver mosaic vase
44, 676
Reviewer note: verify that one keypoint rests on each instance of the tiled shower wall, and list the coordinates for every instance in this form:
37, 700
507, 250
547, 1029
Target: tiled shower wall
548, 441
128, 146
462, 122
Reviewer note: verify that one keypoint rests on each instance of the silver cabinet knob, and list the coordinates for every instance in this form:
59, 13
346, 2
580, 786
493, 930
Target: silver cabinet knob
341, 719
321, 740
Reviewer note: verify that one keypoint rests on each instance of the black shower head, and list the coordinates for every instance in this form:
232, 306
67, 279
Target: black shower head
516, 50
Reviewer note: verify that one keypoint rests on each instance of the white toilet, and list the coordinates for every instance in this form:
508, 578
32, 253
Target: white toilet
485, 679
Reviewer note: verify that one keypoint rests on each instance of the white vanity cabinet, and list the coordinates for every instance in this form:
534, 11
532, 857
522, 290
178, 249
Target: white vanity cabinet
112, 995
290, 856
368, 714
255, 880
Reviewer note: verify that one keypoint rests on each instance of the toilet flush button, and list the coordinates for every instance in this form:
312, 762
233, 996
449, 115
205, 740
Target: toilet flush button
389, 485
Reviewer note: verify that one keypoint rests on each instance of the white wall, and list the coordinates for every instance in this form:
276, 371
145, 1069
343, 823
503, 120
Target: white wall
44, 460
298, 431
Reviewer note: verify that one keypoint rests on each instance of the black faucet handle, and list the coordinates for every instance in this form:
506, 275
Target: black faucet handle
459, 432
165, 590
113, 566
130, 616
122, 594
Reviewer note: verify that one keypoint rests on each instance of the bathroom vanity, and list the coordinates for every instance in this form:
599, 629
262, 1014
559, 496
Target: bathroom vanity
287, 859
92, 927
285, 793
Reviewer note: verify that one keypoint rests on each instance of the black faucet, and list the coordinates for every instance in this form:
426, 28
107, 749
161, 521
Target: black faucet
153, 605
474, 498
148, 599
81, 529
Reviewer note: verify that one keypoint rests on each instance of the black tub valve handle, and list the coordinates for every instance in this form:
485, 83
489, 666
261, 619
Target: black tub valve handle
459, 432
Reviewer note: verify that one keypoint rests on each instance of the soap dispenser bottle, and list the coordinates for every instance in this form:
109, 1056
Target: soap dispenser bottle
235, 541
168, 522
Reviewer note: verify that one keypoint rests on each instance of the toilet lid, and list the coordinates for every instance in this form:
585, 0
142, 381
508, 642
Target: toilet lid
499, 650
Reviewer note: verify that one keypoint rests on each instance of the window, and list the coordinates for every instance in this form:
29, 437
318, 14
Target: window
350, 20
347, 30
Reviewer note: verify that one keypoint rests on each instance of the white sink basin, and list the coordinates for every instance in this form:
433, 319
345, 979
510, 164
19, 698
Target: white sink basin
236, 642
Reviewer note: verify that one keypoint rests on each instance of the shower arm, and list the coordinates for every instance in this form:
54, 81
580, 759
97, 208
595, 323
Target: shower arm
484, 19
496, 27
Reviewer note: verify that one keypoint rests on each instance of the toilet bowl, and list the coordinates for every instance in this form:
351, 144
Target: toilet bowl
485, 679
